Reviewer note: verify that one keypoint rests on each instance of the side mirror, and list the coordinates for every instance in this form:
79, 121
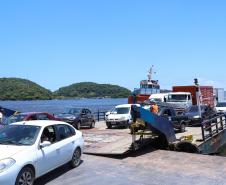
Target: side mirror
45, 144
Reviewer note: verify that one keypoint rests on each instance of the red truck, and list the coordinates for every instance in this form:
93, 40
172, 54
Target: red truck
207, 97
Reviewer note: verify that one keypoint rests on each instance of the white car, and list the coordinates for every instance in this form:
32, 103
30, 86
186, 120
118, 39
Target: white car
30, 149
120, 116
221, 107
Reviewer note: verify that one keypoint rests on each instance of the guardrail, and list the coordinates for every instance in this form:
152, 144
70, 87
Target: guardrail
99, 115
213, 126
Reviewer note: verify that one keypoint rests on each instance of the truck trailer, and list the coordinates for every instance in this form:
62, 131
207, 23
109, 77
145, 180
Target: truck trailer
207, 96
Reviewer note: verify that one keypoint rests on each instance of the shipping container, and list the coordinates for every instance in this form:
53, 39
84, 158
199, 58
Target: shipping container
207, 96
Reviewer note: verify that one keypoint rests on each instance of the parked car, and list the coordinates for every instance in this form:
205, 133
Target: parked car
194, 117
78, 117
26, 116
119, 116
179, 121
221, 107
30, 149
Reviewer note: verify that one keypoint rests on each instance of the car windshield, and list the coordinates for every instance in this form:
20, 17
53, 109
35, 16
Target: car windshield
15, 118
194, 108
177, 98
19, 134
222, 104
122, 110
72, 111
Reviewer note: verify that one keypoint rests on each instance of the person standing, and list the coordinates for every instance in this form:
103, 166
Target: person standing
154, 108
1, 115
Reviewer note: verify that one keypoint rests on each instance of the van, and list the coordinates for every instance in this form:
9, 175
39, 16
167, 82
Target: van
160, 97
120, 116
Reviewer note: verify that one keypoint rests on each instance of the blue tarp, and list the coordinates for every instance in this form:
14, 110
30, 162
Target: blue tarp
159, 123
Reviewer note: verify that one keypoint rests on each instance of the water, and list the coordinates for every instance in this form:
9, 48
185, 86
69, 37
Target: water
58, 106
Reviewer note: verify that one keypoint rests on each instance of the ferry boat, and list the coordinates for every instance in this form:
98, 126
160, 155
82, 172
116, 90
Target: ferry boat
147, 88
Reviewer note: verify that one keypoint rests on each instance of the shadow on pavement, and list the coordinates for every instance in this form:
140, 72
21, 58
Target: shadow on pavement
54, 174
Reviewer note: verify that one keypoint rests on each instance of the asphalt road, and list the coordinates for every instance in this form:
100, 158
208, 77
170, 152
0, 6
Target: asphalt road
146, 168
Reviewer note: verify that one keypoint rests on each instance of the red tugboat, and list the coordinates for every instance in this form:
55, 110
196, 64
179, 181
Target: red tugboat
147, 87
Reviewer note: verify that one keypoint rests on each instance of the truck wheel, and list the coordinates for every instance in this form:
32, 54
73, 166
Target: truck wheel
182, 127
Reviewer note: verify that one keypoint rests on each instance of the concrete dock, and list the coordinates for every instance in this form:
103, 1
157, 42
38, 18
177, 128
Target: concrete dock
101, 140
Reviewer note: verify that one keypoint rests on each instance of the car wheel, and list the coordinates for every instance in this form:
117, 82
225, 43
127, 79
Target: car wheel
182, 127
76, 158
25, 177
78, 126
109, 126
92, 124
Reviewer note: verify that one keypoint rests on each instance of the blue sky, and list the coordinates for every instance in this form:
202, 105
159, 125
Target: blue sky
57, 43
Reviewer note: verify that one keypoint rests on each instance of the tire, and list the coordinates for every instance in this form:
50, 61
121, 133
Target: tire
25, 177
186, 146
109, 126
76, 158
182, 127
78, 125
92, 125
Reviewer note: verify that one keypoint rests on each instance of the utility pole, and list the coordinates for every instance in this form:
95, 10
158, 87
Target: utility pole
198, 94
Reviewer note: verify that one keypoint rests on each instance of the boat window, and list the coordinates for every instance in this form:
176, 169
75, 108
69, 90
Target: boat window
150, 86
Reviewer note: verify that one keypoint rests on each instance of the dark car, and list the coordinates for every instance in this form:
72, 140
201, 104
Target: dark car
194, 117
179, 121
26, 116
78, 117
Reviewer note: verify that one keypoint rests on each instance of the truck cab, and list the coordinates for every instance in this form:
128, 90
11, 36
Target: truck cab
180, 98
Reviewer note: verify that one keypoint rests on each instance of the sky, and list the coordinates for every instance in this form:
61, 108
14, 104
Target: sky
56, 43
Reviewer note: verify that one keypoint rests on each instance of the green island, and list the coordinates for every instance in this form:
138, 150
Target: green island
22, 89
92, 90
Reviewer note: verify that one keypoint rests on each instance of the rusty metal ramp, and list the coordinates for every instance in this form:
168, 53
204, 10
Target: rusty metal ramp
103, 141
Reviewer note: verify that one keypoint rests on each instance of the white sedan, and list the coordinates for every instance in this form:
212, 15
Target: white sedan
221, 107
30, 149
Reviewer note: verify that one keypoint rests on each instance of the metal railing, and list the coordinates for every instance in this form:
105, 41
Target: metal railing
99, 115
213, 126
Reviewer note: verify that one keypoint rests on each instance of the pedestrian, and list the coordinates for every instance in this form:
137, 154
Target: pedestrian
154, 108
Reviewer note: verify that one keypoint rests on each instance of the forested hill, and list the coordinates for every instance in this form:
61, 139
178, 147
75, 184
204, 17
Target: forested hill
21, 89
91, 90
